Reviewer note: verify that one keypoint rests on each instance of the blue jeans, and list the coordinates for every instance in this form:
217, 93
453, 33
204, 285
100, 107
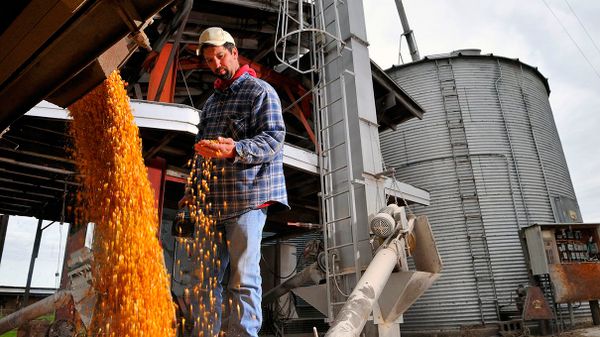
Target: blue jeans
239, 253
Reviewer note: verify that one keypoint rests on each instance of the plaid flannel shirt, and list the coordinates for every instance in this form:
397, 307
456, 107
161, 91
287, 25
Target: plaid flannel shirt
249, 111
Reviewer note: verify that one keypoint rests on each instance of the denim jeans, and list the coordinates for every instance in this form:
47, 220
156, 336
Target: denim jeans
239, 253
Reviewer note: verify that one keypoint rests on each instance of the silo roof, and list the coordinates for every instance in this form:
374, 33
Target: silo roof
473, 53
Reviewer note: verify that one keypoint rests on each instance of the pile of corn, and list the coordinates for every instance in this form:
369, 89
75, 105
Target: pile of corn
129, 275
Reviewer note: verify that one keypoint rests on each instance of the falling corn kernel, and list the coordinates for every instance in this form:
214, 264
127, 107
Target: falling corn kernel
129, 275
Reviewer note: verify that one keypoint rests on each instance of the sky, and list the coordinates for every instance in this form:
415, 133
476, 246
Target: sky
517, 29
527, 30
16, 256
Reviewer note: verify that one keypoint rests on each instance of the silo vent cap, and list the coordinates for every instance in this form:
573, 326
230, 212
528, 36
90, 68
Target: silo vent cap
471, 51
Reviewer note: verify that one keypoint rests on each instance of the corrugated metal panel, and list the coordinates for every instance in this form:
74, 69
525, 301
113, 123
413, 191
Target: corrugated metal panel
517, 163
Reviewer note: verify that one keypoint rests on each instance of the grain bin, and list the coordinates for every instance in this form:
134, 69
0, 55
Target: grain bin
489, 153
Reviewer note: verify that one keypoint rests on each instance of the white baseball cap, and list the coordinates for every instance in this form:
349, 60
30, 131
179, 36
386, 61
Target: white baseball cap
214, 36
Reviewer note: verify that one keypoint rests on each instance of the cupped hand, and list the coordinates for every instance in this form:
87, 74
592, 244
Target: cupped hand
219, 148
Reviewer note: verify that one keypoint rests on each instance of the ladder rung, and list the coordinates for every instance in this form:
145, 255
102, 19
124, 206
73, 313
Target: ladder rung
325, 84
334, 170
484, 278
329, 104
329, 196
338, 220
340, 246
334, 303
481, 237
345, 272
333, 147
488, 299
331, 125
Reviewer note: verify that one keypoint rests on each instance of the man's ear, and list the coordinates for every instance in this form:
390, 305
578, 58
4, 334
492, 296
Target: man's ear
234, 52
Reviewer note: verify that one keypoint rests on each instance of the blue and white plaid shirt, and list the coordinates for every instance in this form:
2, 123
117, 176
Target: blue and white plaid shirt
249, 111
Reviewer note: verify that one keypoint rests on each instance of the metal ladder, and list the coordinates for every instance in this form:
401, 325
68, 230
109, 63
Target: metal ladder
338, 213
557, 323
469, 198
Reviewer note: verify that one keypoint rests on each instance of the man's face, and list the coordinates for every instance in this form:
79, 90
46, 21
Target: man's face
222, 62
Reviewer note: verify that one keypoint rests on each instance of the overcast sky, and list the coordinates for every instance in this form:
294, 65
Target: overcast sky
524, 29
517, 29
17, 253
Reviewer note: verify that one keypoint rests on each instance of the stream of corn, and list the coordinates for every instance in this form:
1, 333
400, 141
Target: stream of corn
129, 274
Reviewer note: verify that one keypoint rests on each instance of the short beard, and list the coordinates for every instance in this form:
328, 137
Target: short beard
226, 77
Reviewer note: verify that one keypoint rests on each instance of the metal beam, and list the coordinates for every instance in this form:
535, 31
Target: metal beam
62, 181
36, 187
34, 255
229, 22
13, 192
37, 167
39, 155
264, 5
3, 230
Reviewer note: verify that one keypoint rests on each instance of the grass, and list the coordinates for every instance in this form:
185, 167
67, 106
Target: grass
12, 333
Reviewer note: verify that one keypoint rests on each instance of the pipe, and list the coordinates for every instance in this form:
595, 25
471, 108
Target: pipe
512, 150
309, 274
354, 314
37, 309
410, 36
535, 143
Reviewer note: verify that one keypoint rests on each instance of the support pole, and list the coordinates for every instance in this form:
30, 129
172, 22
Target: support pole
354, 314
595, 312
3, 230
34, 255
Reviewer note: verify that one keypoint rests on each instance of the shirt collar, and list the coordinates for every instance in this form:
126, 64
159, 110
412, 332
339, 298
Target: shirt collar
235, 86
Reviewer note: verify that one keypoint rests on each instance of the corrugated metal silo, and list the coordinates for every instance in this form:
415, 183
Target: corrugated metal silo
489, 153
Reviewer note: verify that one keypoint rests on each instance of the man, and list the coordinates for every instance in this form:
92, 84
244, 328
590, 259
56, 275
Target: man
244, 116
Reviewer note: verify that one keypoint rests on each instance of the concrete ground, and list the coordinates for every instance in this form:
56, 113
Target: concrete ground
593, 331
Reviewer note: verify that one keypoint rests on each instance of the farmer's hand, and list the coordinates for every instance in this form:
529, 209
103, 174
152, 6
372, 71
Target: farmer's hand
221, 148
